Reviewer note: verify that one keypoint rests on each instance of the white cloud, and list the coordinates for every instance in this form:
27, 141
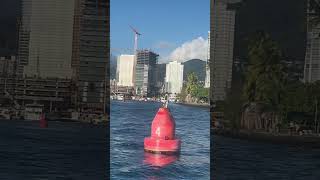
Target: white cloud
164, 45
194, 49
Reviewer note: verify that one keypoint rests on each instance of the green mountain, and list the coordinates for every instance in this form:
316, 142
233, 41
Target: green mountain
195, 65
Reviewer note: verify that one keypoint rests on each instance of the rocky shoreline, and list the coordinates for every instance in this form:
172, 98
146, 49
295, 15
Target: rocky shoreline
312, 141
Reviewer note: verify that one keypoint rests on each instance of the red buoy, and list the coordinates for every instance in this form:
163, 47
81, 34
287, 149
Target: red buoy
162, 138
43, 121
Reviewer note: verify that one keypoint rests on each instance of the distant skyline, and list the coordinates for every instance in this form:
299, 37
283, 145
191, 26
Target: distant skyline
165, 26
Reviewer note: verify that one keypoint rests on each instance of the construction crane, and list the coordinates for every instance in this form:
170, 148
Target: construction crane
136, 34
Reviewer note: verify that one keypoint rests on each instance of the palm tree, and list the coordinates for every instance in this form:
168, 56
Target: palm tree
265, 78
265, 71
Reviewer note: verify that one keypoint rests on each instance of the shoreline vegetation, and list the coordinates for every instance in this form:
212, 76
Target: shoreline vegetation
194, 93
267, 102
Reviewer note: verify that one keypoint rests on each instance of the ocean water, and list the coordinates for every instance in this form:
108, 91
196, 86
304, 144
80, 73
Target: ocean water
131, 122
62, 151
236, 159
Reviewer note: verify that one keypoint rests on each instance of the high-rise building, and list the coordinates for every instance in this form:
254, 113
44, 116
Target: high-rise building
160, 77
46, 38
174, 77
94, 55
207, 80
145, 76
222, 27
312, 57
67, 40
125, 70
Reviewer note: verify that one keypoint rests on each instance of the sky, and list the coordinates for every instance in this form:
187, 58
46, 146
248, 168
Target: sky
174, 29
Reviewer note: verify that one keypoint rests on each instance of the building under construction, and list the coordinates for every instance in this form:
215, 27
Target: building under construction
145, 77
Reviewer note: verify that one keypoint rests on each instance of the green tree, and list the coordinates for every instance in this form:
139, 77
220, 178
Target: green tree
182, 96
192, 84
266, 76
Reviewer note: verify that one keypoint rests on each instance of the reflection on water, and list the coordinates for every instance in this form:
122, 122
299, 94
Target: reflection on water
159, 160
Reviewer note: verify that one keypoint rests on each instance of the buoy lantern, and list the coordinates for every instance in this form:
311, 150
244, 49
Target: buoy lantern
162, 139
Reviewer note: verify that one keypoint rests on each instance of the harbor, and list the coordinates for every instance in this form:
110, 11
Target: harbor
28, 98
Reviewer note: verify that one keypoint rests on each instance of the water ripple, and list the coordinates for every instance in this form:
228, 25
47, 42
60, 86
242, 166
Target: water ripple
241, 159
131, 123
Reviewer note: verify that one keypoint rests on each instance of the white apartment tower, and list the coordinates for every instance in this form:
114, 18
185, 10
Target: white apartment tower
174, 77
223, 25
125, 70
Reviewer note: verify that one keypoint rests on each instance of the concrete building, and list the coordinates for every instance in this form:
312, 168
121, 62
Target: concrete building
46, 38
222, 43
145, 78
174, 77
207, 80
67, 40
312, 57
93, 54
7, 66
125, 70
160, 77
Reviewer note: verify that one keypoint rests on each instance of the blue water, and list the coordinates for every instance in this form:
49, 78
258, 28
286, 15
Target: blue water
236, 159
131, 122
66, 151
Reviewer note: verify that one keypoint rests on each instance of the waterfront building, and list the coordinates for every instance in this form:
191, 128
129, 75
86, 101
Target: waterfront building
7, 66
160, 78
222, 43
67, 40
92, 56
312, 57
125, 70
174, 77
145, 78
7, 73
46, 38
